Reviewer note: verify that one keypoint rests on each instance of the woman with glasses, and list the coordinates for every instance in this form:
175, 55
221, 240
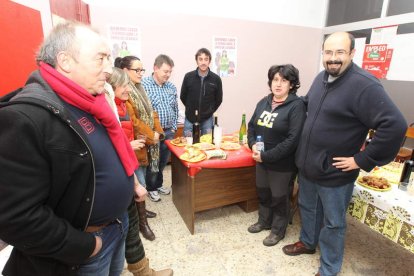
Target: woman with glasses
146, 122
138, 264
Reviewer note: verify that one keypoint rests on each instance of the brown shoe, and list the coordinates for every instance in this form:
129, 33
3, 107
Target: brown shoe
150, 214
318, 274
297, 248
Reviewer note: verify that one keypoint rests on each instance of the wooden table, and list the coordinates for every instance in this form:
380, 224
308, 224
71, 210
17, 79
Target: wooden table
212, 183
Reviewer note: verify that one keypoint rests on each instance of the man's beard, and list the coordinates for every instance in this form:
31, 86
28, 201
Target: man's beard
334, 72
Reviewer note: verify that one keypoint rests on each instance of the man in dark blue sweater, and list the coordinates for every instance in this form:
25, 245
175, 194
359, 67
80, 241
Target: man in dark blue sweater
344, 102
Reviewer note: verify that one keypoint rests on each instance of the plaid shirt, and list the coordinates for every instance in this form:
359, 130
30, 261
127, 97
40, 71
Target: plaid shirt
164, 101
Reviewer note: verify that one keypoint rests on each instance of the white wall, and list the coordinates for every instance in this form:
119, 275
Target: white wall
259, 45
307, 13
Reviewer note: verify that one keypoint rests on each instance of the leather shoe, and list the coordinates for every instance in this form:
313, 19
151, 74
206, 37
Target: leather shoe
150, 214
297, 248
318, 274
256, 228
272, 239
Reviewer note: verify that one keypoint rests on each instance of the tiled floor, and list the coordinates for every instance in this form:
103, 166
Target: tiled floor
222, 246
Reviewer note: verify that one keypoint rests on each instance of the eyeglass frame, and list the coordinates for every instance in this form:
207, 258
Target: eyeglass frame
138, 70
338, 53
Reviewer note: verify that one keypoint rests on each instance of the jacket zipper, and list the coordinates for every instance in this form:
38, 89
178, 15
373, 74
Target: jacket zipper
199, 99
93, 167
313, 123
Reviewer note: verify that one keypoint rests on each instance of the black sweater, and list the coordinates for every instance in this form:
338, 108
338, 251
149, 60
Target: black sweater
340, 113
206, 96
280, 130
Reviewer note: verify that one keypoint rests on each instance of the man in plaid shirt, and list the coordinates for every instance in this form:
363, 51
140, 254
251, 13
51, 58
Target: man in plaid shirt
163, 97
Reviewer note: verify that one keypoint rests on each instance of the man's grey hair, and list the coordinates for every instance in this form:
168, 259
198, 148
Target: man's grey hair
61, 38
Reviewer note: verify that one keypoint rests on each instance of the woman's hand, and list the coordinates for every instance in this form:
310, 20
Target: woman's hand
140, 191
156, 137
137, 144
256, 154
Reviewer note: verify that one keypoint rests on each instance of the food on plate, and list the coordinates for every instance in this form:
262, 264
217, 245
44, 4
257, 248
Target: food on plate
179, 141
392, 172
206, 138
204, 146
217, 154
230, 146
230, 138
193, 154
374, 182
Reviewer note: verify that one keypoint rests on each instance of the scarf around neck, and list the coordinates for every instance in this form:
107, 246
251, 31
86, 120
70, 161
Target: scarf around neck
144, 111
98, 107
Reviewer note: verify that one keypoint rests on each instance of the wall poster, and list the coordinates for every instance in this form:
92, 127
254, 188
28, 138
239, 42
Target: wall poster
378, 54
124, 41
224, 56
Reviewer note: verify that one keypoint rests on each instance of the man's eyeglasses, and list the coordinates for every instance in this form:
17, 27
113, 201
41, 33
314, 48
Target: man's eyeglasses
138, 70
338, 53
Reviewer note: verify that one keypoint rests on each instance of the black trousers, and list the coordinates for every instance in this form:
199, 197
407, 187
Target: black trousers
273, 191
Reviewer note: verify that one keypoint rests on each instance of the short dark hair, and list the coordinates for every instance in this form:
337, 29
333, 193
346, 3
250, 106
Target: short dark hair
203, 51
125, 62
161, 59
286, 71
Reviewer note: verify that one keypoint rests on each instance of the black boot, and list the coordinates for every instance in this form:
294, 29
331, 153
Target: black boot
143, 223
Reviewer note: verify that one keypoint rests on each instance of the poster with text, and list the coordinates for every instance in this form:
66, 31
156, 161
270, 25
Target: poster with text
124, 41
224, 56
377, 59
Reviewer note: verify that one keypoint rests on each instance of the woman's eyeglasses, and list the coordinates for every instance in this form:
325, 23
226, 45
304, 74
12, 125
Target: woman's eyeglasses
138, 70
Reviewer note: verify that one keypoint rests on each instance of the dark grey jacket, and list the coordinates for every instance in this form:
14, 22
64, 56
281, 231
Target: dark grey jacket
47, 184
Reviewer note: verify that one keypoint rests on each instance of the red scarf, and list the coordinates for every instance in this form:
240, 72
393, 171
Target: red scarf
97, 106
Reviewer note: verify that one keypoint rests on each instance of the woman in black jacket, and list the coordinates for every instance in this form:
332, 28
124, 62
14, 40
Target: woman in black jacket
278, 119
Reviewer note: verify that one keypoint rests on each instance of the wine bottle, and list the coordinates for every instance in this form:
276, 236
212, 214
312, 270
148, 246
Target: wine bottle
243, 131
406, 174
215, 126
196, 129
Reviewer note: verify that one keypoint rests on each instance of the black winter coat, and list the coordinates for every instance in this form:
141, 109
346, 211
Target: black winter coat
47, 184
206, 96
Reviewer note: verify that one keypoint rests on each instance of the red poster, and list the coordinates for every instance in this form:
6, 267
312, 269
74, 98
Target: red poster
377, 59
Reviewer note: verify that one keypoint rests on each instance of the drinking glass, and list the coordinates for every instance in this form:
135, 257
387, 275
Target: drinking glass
188, 137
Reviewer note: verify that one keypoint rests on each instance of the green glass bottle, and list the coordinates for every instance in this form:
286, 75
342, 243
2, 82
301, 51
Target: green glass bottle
243, 131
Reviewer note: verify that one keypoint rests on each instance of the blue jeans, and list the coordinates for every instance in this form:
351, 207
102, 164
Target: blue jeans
110, 260
204, 126
323, 213
154, 180
141, 172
